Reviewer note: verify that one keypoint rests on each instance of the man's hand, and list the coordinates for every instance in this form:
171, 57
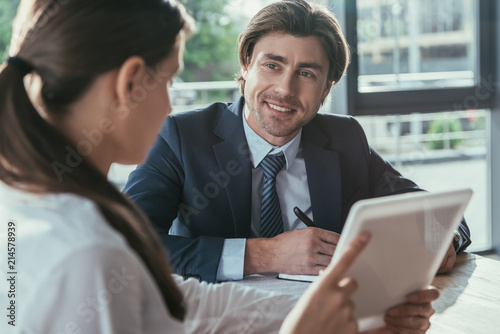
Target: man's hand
305, 251
326, 306
448, 261
411, 317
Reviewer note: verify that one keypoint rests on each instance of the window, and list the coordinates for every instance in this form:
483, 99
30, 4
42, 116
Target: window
440, 151
422, 84
416, 44
419, 55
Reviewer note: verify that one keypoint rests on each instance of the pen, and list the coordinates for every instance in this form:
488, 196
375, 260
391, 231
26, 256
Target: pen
303, 218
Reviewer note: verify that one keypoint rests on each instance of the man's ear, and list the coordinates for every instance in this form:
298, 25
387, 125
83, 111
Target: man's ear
129, 77
244, 72
328, 88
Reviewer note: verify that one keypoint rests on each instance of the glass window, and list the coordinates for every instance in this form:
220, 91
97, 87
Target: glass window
439, 152
416, 44
418, 68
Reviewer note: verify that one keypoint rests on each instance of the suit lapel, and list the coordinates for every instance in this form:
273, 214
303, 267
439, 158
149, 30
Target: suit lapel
232, 154
323, 177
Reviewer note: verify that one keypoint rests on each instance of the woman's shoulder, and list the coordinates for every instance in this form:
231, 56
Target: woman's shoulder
71, 261
69, 217
48, 227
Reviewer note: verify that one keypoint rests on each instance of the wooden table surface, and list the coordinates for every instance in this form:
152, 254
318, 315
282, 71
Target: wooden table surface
469, 301
470, 297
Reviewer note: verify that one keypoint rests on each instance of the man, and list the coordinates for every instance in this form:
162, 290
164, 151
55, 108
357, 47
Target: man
221, 183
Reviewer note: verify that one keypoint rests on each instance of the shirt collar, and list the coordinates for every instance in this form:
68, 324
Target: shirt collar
259, 147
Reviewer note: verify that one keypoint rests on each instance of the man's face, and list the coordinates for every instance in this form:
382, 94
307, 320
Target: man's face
286, 82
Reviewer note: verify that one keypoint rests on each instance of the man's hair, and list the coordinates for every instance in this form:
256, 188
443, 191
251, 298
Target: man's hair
301, 19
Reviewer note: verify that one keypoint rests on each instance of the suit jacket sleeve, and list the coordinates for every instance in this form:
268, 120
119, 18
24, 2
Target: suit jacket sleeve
385, 180
156, 187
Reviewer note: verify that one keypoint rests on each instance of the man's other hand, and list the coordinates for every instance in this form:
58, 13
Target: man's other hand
448, 261
305, 251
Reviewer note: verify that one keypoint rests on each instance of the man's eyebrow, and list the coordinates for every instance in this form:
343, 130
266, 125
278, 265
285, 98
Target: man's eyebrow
313, 66
281, 59
274, 57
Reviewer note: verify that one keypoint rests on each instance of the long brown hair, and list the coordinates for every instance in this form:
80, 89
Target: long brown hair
69, 43
301, 19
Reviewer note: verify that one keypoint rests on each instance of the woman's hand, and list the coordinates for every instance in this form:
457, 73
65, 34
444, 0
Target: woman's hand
411, 317
326, 306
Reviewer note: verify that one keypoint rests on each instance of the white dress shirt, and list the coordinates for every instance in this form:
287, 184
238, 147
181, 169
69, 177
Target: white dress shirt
76, 274
292, 188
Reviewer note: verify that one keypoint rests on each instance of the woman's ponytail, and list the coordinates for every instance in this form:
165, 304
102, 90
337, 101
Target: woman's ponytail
81, 40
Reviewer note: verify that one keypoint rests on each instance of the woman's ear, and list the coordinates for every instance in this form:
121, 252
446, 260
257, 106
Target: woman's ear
129, 79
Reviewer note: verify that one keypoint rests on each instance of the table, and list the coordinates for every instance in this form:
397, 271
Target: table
470, 297
469, 302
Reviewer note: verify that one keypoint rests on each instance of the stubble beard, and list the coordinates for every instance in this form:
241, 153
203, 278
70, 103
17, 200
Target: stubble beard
274, 126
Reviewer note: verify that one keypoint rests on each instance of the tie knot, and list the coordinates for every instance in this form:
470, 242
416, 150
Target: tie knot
272, 164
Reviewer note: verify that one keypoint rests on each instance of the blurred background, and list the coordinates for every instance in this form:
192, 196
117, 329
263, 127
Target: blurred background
421, 84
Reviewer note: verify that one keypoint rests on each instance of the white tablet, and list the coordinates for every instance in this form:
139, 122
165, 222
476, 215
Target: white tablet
410, 236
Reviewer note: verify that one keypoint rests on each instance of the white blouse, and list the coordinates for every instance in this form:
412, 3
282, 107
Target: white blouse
76, 274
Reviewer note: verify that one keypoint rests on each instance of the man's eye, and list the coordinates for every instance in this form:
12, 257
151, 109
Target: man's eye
272, 66
306, 74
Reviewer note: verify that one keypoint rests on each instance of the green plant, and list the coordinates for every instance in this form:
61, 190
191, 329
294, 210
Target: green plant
8, 10
212, 52
438, 126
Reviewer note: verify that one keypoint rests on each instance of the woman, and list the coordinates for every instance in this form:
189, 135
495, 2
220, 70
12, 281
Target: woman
85, 87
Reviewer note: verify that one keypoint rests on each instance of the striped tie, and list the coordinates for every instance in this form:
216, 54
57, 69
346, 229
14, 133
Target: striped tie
271, 221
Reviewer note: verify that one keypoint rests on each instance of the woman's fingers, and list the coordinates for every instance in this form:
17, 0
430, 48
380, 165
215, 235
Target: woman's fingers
406, 310
409, 323
413, 316
423, 296
333, 274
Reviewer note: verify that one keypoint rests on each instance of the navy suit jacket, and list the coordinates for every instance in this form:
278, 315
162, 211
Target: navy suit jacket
196, 182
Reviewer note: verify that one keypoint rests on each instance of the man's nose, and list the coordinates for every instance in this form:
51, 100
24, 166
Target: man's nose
286, 85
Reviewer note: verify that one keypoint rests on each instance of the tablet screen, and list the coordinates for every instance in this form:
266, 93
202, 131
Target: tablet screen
410, 236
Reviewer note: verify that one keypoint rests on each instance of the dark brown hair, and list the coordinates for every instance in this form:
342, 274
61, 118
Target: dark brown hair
301, 19
69, 43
